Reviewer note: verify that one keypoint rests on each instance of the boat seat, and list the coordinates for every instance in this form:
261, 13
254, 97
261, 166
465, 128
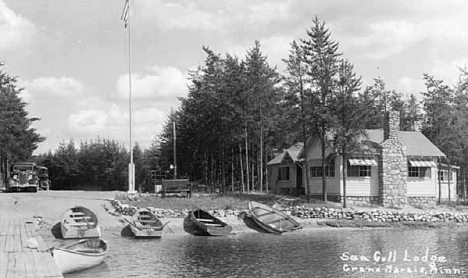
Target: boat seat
82, 217
144, 216
205, 220
76, 214
266, 213
213, 224
147, 221
82, 224
275, 220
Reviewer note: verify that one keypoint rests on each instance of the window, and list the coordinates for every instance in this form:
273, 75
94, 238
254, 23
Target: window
283, 173
359, 170
443, 175
419, 172
316, 171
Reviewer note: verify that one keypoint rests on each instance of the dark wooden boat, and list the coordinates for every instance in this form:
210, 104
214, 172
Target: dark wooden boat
205, 224
80, 255
144, 224
272, 220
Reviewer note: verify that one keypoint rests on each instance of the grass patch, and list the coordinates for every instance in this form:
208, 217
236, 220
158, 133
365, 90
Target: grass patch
218, 202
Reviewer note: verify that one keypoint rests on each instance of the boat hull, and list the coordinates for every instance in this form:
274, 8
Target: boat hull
76, 232
69, 261
146, 233
144, 224
272, 220
204, 224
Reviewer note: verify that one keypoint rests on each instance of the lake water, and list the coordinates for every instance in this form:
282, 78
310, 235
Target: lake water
320, 253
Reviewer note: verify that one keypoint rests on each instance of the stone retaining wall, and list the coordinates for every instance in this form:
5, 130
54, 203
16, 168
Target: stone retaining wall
361, 200
320, 212
422, 201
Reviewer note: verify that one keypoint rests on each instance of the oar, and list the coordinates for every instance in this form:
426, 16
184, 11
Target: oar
131, 223
168, 226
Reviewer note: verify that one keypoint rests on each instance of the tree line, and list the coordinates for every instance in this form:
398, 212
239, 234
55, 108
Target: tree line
241, 112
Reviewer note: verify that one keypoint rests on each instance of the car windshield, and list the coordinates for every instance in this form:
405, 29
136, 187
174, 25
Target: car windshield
42, 172
22, 168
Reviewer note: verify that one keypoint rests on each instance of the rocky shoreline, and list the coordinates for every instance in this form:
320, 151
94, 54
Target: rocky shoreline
118, 208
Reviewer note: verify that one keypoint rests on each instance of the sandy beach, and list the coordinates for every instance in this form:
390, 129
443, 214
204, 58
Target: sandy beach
50, 205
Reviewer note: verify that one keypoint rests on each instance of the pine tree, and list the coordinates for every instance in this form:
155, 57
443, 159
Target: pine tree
18, 139
321, 56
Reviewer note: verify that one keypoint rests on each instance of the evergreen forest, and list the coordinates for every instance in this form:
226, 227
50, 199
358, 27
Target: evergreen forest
240, 112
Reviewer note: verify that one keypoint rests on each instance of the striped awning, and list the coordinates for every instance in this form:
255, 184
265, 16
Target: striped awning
315, 162
362, 162
419, 162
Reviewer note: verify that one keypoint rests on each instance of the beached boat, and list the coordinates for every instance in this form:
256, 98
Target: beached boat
272, 220
203, 223
79, 222
80, 255
144, 224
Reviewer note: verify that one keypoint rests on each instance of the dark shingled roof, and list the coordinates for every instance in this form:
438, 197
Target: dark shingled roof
416, 143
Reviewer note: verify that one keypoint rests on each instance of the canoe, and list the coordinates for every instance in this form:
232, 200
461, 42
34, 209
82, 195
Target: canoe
144, 224
79, 222
83, 254
272, 220
205, 224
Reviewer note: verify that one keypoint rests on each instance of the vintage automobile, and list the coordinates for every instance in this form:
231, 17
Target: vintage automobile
43, 174
23, 177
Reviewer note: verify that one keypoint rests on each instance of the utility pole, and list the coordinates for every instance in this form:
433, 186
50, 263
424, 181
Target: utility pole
175, 153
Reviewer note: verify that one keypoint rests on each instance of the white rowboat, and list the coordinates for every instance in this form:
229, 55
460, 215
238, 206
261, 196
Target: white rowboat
80, 255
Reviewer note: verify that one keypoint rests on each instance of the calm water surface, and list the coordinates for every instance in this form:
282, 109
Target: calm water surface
335, 253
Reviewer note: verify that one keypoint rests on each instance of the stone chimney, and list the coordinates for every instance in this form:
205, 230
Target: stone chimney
393, 164
391, 124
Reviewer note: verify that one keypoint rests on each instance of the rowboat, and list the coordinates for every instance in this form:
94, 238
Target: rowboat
80, 255
79, 222
272, 220
205, 224
144, 224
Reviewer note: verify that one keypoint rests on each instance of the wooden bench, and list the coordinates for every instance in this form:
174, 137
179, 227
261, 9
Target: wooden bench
176, 186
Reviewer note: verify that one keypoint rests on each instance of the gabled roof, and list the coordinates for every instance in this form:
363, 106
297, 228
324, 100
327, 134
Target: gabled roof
416, 143
293, 152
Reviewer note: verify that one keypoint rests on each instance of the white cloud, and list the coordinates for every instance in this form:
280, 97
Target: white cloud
386, 38
178, 16
449, 72
148, 124
407, 86
156, 83
380, 38
87, 121
16, 31
265, 13
52, 87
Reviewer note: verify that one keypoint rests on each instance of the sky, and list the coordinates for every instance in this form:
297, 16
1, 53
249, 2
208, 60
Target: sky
72, 57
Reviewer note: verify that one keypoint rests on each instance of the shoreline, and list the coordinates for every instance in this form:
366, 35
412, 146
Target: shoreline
46, 208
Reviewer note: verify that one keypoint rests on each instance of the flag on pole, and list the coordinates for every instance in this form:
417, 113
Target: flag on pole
125, 12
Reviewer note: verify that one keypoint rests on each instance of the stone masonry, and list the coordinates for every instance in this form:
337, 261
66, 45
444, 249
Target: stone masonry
393, 169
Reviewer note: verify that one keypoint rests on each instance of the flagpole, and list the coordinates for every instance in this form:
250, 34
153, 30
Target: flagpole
131, 166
